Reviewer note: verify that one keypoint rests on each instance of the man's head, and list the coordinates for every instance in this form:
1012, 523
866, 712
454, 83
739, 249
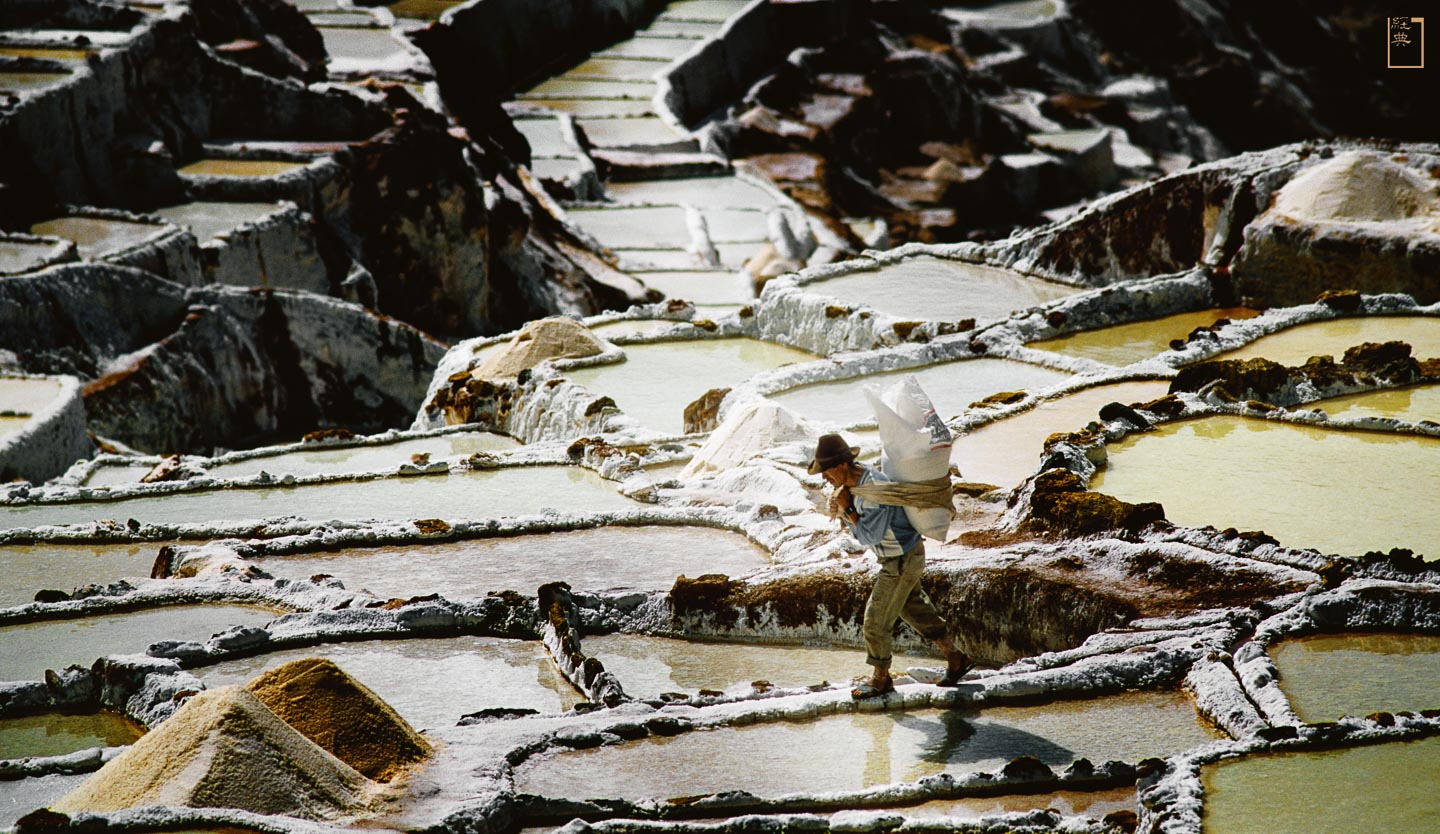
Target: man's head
834, 458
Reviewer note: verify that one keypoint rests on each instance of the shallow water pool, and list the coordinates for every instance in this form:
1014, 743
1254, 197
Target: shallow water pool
55, 734
1326, 676
646, 558
932, 289
209, 220
851, 752
354, 459
240, 167
1122, 344
1412, 403
1344, 492
1294, 345
97, 236
27, 568
32, 648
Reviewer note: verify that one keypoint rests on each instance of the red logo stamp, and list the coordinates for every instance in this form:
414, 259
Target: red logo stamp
1405, 47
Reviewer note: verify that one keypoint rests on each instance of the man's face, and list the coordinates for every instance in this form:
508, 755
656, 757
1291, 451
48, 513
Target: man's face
841, 474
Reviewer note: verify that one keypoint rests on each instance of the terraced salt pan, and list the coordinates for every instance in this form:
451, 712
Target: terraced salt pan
1294, 345
361, 46
352, 459
648, 666
851, 752
659, 227
97, 236
952, 387
1383, 787
664, 27
735, 225
633, 327
654, 49
257, 168
727, 191
31, 648
716, 11
460, 495
431, 682
209, 220
645, 558
27, 568
545, 137
1344, 492
1326, 676
20, 256
933, 289
26, 81
557, 168
1092, 804
50, 53
22, 796
639, 130
644, 260
55, 734
1122, 344
570, 88
9, 425
657, 381
734, 255
422, 9
1412, 404
1006, 15
27, 396
595, 108
114, 475
1006, 452
704, 288
615, 69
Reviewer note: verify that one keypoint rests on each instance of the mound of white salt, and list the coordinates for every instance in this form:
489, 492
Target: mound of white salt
1359, 186
225, 749
552, 338
749, 430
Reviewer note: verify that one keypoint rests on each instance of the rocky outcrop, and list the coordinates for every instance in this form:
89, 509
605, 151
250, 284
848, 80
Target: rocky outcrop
251, 364
1362, 366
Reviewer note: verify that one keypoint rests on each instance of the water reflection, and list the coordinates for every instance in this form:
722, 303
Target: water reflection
1326, 676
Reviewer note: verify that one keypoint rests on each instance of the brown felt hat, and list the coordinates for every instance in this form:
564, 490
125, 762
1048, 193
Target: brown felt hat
831, 450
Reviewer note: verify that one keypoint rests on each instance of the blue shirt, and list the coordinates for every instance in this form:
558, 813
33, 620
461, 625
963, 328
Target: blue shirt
883, 527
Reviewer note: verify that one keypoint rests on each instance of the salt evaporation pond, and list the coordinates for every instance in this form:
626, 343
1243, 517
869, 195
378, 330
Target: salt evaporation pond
457, 496
851, 752
257, 168
1412, 403
1008, 451
1294, 345
10, 424
703, 288
728, 191
360, 45
1092, 804
1384, 787
648, 666
21, 796
1122, 344
644, 558
1327, 676
97, 236
634, 327
656, 381
27, 568
209, 220
110, 475
27, 396
595, 107
638, 227
952, 387
31, 648
55, 734
431, 682
422, 9
934, 289
349, 460
25, 81
1346, 492
20, 256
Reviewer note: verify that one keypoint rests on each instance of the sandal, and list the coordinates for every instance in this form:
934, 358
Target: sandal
865, 691
953, 676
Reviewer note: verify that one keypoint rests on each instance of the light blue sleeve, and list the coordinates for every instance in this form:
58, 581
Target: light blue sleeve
875, 521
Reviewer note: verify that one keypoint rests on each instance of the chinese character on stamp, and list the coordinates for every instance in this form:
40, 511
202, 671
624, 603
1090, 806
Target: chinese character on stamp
1405, 44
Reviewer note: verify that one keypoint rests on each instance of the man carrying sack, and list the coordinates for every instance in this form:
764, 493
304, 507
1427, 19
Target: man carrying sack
873, 508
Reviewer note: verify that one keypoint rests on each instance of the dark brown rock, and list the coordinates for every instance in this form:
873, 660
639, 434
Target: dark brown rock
702, 415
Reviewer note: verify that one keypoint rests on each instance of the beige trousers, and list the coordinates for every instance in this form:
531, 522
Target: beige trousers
897, 596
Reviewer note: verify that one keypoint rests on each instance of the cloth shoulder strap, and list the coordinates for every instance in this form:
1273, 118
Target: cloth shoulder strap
923, 495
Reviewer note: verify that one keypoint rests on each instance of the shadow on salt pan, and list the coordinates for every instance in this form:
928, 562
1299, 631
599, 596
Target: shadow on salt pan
1344, 492
458, 496
643, 558
852, 752
934, 289
1384, 787
431, 682
1332, 675
648, 666
32, 648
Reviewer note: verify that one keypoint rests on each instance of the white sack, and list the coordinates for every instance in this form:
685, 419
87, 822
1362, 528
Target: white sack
917, 446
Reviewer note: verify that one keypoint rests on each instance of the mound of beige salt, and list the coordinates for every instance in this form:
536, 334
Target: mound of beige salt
748, 430
342, 715
1359, 186
225, 749
552, 338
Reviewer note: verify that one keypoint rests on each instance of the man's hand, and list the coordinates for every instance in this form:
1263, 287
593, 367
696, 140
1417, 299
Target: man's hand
841, 505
